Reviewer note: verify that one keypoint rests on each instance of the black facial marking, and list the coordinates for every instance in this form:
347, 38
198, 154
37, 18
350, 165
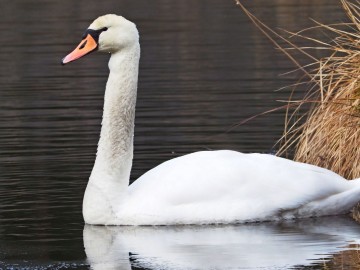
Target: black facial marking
94, 33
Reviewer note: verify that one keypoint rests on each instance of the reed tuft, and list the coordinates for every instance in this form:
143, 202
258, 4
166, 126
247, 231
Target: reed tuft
327, 134
330, 136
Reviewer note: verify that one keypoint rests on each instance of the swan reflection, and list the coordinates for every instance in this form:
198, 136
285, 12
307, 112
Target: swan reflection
249, 246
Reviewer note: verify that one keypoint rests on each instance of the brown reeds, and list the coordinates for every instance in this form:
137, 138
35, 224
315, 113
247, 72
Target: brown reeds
327, 134
355, 214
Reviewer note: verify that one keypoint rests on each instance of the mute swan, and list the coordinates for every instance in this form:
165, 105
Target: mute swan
199, 188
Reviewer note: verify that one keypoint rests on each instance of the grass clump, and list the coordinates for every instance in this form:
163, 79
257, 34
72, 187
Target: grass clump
327, 134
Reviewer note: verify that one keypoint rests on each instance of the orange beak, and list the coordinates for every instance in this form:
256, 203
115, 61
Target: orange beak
86, 46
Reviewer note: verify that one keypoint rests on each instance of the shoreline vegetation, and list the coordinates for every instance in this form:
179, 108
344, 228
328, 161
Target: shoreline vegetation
323, 127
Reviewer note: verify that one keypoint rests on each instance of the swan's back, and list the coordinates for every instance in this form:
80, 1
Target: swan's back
226, 187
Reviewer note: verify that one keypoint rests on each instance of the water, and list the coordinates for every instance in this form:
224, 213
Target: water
204, 68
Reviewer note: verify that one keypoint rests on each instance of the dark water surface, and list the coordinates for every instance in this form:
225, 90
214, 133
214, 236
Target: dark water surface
204, 68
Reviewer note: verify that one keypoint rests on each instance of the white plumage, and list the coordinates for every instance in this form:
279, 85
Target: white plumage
200, 188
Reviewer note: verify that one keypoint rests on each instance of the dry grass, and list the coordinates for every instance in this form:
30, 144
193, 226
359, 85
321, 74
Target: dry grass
330, 135
355, 214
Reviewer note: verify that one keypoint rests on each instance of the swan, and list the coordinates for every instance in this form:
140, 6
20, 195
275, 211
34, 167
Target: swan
207, 187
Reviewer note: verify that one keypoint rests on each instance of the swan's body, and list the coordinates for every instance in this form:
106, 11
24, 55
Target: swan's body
199, 188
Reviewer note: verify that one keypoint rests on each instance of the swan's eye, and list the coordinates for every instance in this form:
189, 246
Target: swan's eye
103, 29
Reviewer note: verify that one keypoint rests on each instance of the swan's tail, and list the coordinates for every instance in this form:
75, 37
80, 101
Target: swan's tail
355, 182
336, 204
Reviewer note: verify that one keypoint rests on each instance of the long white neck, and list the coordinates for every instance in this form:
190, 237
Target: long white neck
111, 172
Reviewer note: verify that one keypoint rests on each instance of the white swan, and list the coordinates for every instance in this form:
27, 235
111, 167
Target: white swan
199, 188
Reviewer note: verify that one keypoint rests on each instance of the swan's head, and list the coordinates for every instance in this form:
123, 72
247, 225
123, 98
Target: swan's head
109, 33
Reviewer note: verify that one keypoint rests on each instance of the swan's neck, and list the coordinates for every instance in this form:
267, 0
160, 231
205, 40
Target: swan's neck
115, 148
111, 172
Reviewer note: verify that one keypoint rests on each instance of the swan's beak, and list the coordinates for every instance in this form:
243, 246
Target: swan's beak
86, 46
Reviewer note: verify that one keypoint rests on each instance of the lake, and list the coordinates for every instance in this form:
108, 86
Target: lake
204, 69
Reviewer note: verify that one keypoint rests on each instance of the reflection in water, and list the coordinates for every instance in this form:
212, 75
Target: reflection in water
248, 246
